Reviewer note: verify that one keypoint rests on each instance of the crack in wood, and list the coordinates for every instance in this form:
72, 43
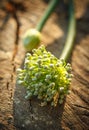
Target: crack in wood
78, 93
12, 77
11, 10
82, 107
84, 112
17, 36
81, 79
7, 85
31, 108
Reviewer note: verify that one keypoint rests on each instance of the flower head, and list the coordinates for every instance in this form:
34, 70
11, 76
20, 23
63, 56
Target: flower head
45, 76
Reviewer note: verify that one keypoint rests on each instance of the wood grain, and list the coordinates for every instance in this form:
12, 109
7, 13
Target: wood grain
16, 113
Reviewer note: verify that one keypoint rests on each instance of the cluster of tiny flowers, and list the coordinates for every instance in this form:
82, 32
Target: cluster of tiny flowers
45, 77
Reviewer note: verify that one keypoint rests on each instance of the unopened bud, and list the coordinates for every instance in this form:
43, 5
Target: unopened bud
31, 39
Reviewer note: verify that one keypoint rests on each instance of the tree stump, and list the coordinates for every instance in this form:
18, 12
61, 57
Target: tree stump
16, 113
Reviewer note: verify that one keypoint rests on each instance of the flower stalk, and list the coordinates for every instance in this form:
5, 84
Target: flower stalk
47, 13
71, 33
32, 37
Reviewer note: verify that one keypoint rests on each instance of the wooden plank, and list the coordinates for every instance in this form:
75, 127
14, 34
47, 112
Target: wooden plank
20, 114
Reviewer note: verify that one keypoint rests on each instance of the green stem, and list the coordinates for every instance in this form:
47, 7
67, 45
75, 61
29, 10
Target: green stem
46, 14
71, 34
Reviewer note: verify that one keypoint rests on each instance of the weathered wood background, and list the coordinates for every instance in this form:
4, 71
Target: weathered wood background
15, 112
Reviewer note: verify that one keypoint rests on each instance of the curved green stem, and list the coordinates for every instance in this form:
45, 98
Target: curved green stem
47, 13
71, 33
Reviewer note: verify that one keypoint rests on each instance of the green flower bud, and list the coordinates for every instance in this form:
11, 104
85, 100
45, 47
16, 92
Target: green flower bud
35, 93
37, 75
40, 84
36, 85
52, 84
48, 77
54, 92
39, 57
48, 99
43, 103
31, 68
60, 101
28, 95
26, 61
52, 104
28, 55
51, 65
62, 96
61, 89
57, 64
31, 39
34, 79
56, 76
47, 80
69, 91
19, 70
20, 81
45, 67
45, 56
39, 61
